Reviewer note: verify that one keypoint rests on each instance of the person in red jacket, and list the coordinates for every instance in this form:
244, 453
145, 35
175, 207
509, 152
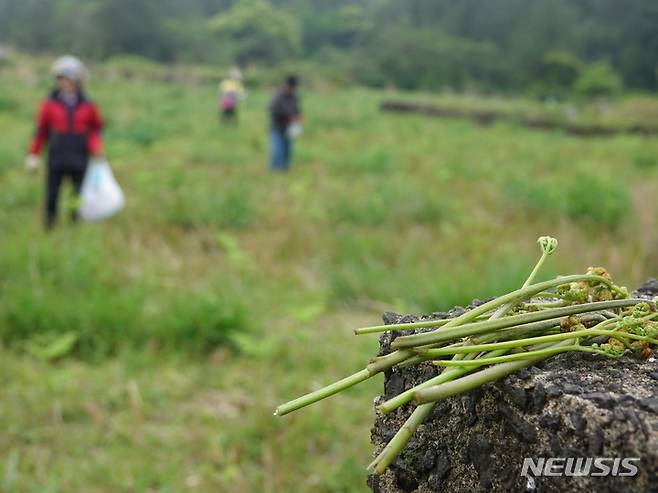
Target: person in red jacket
71, 126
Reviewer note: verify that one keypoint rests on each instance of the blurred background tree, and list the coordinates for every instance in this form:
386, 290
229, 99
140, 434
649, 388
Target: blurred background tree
497, 45
556, 74
598, 80
253, 31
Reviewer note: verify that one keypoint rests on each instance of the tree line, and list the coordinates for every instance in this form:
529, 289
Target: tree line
546, 47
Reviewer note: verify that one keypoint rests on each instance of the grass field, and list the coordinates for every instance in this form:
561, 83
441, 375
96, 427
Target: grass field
147, 353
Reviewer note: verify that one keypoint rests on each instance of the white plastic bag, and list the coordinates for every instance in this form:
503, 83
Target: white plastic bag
101, 196
294, 130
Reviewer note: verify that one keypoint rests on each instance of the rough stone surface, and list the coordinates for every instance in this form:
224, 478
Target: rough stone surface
572, 405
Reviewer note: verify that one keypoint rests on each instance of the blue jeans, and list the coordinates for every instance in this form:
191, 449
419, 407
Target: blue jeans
280, 150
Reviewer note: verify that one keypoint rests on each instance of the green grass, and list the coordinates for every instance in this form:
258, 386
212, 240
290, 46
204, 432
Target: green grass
148, 352
587, 199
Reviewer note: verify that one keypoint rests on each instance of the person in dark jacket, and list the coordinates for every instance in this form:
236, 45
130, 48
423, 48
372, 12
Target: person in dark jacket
285, 124
70, 125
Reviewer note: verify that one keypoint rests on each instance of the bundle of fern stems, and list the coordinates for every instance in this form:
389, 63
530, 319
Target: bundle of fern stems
573, 313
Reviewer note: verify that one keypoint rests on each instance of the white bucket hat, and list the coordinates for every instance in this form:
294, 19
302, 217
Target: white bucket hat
70, 67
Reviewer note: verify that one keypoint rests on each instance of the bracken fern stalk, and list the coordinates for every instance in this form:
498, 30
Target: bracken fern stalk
501, 336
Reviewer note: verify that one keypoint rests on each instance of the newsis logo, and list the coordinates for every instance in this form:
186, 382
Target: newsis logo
579, 466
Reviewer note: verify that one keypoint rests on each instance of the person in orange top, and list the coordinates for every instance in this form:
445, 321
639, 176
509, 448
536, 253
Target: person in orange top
70, 125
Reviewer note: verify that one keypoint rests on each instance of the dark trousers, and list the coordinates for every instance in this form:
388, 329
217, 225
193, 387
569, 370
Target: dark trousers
229, 115
54, 178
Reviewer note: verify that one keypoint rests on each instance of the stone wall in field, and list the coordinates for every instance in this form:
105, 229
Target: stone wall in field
572, 405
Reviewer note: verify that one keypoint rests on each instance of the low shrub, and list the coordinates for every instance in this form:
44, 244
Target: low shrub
584, 198
604, 203
201, 321
645, 159
598, 80
74, 303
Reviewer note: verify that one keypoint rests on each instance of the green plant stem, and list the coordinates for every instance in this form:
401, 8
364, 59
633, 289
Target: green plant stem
384, 362
514, 296
416, 359
419, 414
527, 321
518, 295
447, 375
397, 443
531, 277
477, 379
385, 328
526, 329
515, 343
520, 356
478, 345
544, 306
523, 331
506, 307
372, 369
322, 393
406, 431
447, 334
396, 357
508, 333
512, 337
406, 396
546, 294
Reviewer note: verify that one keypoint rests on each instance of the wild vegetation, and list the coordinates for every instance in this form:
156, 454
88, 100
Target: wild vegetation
546, 48
147, 353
